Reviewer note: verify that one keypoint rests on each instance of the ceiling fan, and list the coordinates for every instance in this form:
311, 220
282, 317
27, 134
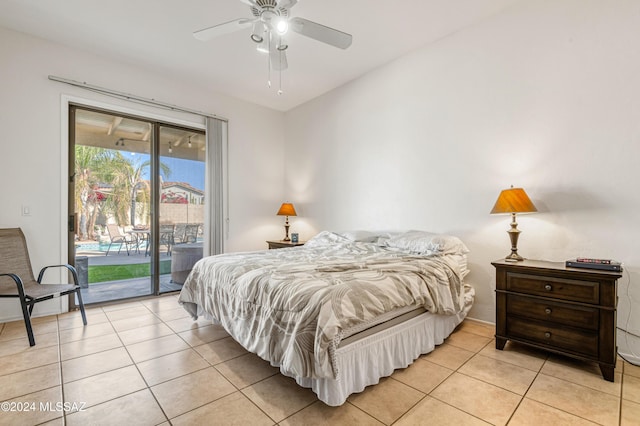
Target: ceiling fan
270, 24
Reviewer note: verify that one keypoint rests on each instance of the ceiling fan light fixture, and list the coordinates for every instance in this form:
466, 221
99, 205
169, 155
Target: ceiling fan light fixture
270, 23
282, 26
257, 35
263, 46
282, 46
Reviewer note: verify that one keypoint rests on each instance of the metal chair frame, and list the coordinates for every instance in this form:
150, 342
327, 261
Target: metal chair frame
118, 238
27, 300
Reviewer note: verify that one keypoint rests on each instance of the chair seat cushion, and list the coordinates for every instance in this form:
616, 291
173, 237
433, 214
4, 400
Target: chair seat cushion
36, 291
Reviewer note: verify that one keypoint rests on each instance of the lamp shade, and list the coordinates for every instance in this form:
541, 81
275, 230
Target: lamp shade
513, 200
287, 209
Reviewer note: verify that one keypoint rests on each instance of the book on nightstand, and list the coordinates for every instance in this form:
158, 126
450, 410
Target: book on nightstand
588, 263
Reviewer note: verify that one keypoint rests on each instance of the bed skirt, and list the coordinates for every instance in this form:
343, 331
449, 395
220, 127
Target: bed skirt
363, 362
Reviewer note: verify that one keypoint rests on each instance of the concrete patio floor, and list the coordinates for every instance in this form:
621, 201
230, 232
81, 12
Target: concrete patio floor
122, 289
125, 289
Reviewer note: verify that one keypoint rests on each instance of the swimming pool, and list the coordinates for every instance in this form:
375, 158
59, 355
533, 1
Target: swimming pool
102, 246
93, 246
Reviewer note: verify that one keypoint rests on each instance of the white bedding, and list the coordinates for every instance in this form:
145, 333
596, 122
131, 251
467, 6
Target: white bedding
365, 359
293, 307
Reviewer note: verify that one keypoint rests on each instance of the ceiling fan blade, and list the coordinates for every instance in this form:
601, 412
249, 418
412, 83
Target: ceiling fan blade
222, 29
287, 4
278, 59
249, 2
320, 32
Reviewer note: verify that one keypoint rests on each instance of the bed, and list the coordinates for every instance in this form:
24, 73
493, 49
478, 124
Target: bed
340, 312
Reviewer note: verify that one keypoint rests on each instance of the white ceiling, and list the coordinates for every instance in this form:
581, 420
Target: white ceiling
158, 34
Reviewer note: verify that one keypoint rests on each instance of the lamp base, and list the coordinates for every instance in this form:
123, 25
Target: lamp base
513, 257
286, 230
514, 233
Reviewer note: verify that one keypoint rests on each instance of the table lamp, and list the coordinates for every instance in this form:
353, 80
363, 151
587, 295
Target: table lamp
286, 209
513, 200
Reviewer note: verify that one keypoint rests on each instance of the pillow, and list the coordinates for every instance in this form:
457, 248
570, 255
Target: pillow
326, 238
422, 242
360, 236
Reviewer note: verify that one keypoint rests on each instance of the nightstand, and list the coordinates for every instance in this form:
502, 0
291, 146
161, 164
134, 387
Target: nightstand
284, 244
569, 311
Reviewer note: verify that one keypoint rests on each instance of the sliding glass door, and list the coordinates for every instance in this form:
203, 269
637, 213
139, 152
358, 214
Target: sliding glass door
136, 202
182, 200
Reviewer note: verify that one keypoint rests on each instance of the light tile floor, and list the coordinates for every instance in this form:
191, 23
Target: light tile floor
146, 362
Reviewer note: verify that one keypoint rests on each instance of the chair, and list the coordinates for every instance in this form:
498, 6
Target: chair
16, 278
191, 233
179, 233
117, 237
167, 236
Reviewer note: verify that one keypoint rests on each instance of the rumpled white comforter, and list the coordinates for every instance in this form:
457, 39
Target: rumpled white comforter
291, 306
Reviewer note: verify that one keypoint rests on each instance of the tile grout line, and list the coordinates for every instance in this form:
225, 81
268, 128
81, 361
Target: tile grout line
183, 375
93, 375
148, 388
572, 383
621, 395
237, 388
176, 333
418, 390
524, 395
135, 363
123, 346
538, 373
64, 414
425, 396
457, 371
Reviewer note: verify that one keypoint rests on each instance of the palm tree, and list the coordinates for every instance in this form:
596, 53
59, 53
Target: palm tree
91, 165
130, 188
100, 167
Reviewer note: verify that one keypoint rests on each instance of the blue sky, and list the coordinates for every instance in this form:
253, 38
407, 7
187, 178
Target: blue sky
189, 171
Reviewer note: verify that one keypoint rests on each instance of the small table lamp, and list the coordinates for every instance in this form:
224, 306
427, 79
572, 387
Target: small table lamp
513, 200
286, 209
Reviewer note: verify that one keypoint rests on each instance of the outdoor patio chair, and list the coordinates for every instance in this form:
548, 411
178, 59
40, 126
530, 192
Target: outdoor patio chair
16, 278
191, 233
167, 236
117, 237
179, 233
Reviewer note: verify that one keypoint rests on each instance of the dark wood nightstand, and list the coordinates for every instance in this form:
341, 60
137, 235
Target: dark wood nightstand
284, 244
570, 311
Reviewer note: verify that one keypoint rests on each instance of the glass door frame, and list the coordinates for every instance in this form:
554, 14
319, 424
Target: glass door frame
155, 182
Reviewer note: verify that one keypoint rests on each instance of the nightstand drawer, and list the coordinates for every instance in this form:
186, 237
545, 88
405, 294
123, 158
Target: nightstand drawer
560, 313
557, 288
556, 336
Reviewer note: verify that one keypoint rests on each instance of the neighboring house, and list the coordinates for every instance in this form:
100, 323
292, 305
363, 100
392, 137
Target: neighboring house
181, 193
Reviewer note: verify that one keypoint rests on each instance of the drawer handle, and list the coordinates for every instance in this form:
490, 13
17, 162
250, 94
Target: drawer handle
547, 335
548, 287
547, 311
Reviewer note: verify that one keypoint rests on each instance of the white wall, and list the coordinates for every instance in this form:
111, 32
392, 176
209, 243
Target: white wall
545, 95
31, 144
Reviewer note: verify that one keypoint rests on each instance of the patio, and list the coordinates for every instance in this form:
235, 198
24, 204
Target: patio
98, 292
